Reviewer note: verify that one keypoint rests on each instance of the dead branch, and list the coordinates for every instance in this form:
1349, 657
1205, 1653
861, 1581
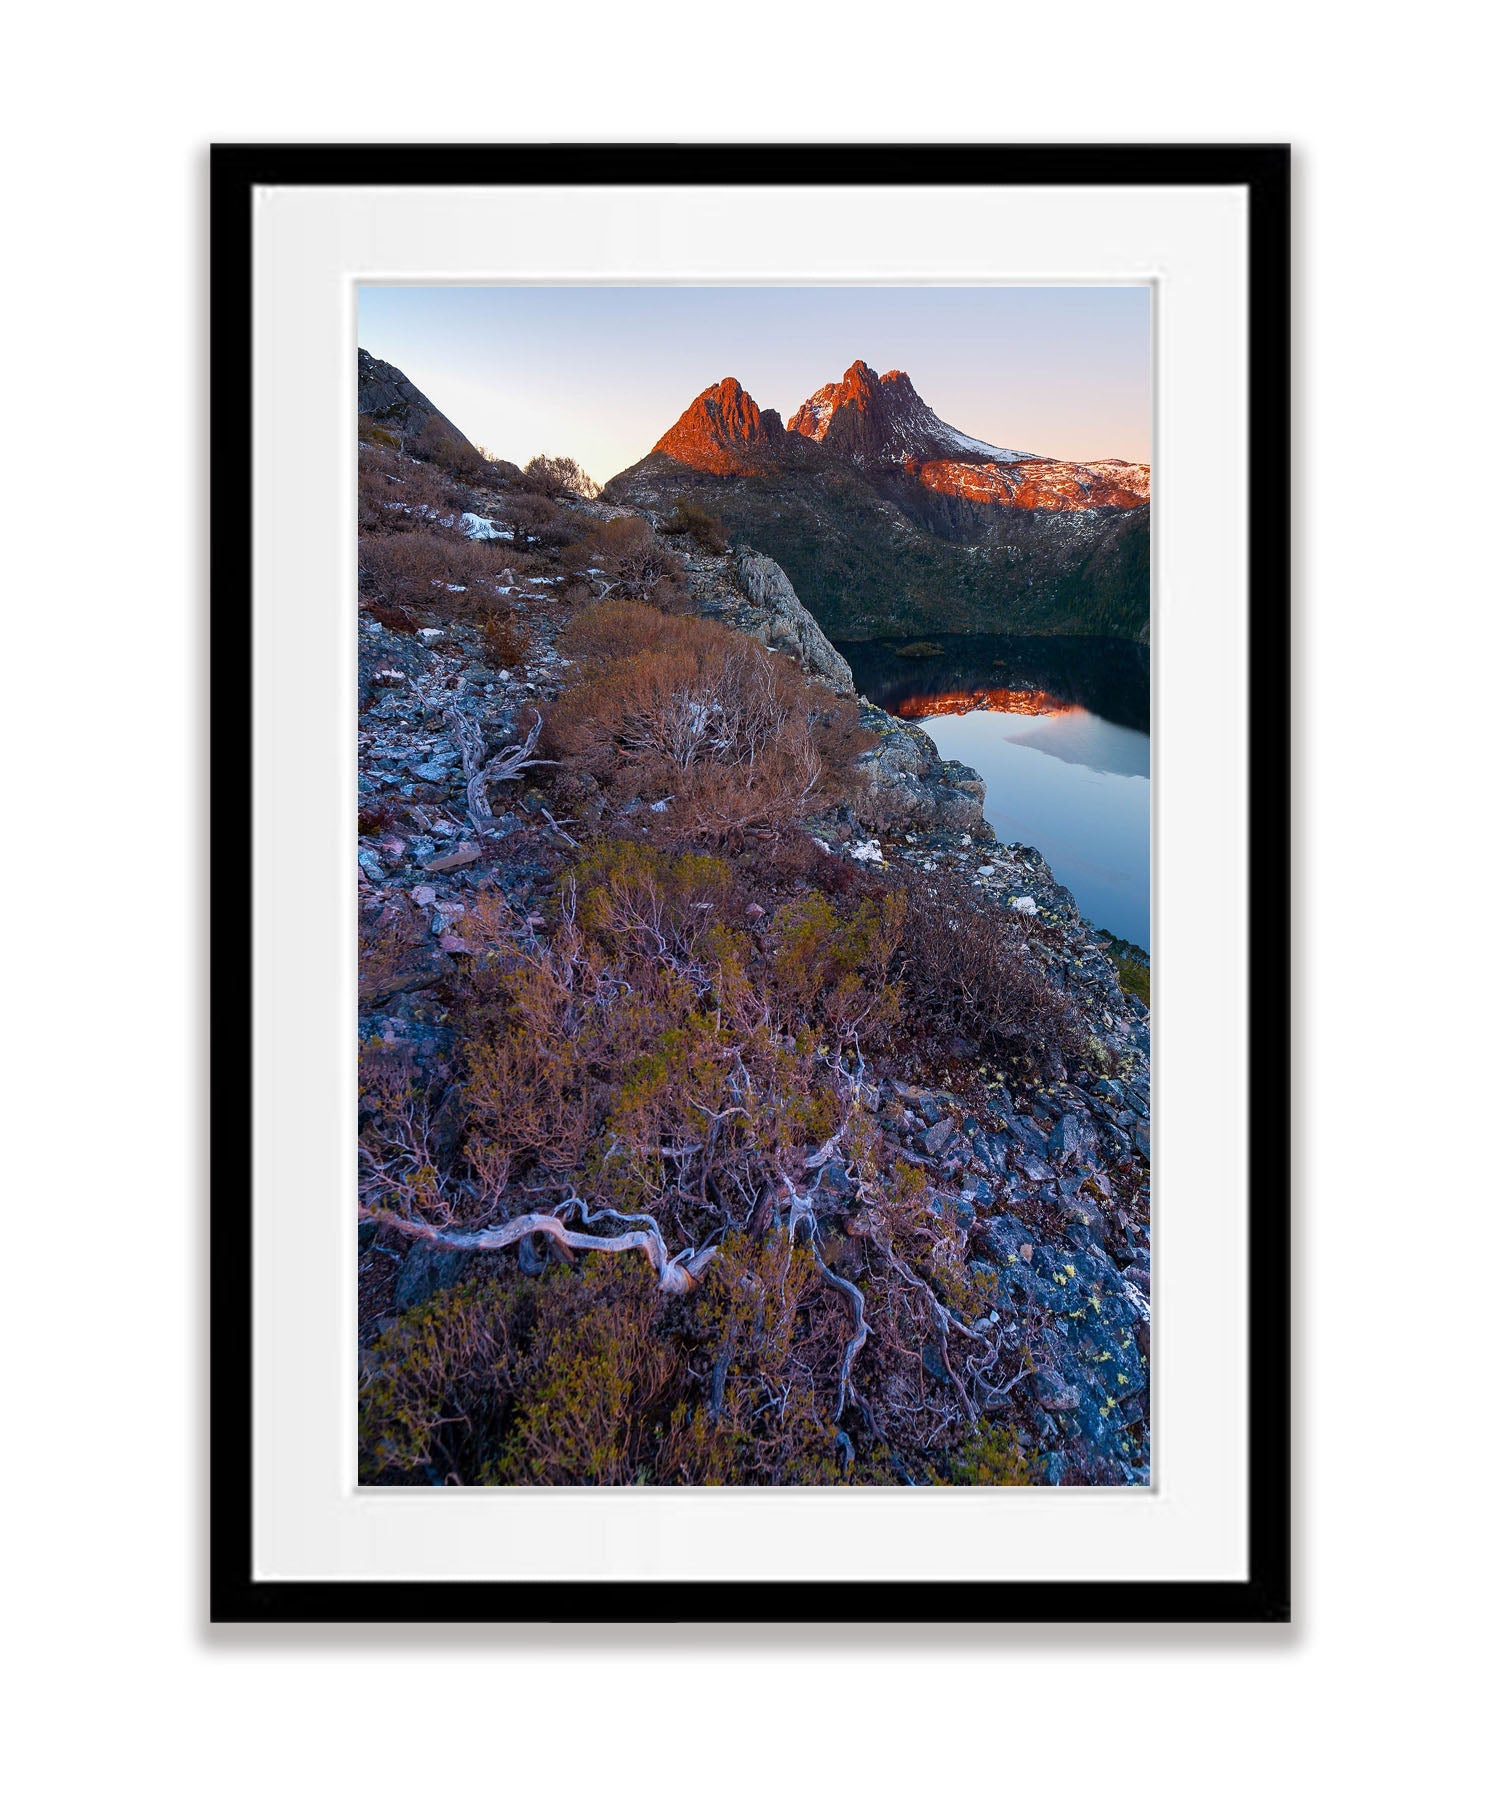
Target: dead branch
858, 1333
854, 1300
678, 1274
505, 765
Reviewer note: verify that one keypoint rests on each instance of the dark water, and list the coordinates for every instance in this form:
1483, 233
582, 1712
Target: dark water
1059, 729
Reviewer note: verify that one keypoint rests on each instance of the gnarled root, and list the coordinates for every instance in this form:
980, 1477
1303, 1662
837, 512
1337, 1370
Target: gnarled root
678, 1274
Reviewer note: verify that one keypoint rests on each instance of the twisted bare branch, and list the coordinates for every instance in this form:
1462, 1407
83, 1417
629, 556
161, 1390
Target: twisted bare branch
505, 765
678, 1274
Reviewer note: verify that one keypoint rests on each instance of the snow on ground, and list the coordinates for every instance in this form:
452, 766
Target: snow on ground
963, 445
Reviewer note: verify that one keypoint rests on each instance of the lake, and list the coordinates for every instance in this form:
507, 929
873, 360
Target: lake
1059, 728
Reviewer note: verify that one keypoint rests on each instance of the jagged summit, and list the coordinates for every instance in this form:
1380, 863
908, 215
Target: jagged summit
881, 426
889, 519
723, 431
883, 418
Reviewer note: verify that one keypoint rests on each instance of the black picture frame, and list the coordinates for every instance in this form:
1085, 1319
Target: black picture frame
1263, 171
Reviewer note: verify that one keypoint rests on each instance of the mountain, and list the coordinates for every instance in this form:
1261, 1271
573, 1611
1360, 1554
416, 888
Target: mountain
891, 521
390, 401
724, 432
885, 419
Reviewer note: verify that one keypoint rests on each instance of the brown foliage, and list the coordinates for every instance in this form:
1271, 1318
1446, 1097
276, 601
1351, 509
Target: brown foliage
643, 567
652, 1047
558, 475
439, 447
440, 571
683, 711
540, 522
505, 646
397, 494
969, 975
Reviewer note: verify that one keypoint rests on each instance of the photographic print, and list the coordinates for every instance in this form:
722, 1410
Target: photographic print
754, 885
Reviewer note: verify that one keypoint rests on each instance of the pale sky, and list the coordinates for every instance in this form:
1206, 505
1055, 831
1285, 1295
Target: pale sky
600, 373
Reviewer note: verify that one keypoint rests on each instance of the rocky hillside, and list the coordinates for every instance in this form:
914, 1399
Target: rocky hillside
390, 404
889, 520
734, 1107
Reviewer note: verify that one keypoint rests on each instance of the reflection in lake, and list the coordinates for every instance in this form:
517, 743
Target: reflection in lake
1059, 729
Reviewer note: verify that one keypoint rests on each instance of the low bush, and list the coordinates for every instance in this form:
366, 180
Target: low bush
652, 1045
392, 618
824, 965
715, 733
972, 985
1135, 977
372, 433
399, 495
689, 519
540, 523
585, 1379
597, 1383
437, 1395
437, 570
993, 1457
505, 645
436, 444
642, 566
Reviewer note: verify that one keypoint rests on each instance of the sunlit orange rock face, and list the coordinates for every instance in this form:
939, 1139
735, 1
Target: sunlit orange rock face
881, 423
1038, 484
1035, 701
723, 431
859, 389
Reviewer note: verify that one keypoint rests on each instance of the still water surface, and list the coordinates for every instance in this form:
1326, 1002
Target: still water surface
1059, 729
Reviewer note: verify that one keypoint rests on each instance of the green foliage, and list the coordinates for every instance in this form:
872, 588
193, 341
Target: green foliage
1135, 977
830, 967
650, 1035
371, 433
439, 1384
991, 1458
596, 1384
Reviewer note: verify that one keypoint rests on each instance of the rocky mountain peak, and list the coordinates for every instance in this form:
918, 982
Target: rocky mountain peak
874, 418
723, 431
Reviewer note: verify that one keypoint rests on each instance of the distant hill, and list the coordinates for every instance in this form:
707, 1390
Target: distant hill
889, 520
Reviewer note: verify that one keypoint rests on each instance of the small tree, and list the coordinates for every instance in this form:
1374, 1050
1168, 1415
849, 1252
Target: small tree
558, 475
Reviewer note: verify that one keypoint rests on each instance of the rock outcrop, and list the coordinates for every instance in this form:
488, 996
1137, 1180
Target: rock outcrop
789, 625
390, 401
912, 785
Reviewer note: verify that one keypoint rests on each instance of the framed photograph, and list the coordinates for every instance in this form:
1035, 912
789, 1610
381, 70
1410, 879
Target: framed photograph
751, 1053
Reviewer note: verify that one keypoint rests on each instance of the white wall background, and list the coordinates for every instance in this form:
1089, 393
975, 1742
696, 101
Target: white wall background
1379, 1688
